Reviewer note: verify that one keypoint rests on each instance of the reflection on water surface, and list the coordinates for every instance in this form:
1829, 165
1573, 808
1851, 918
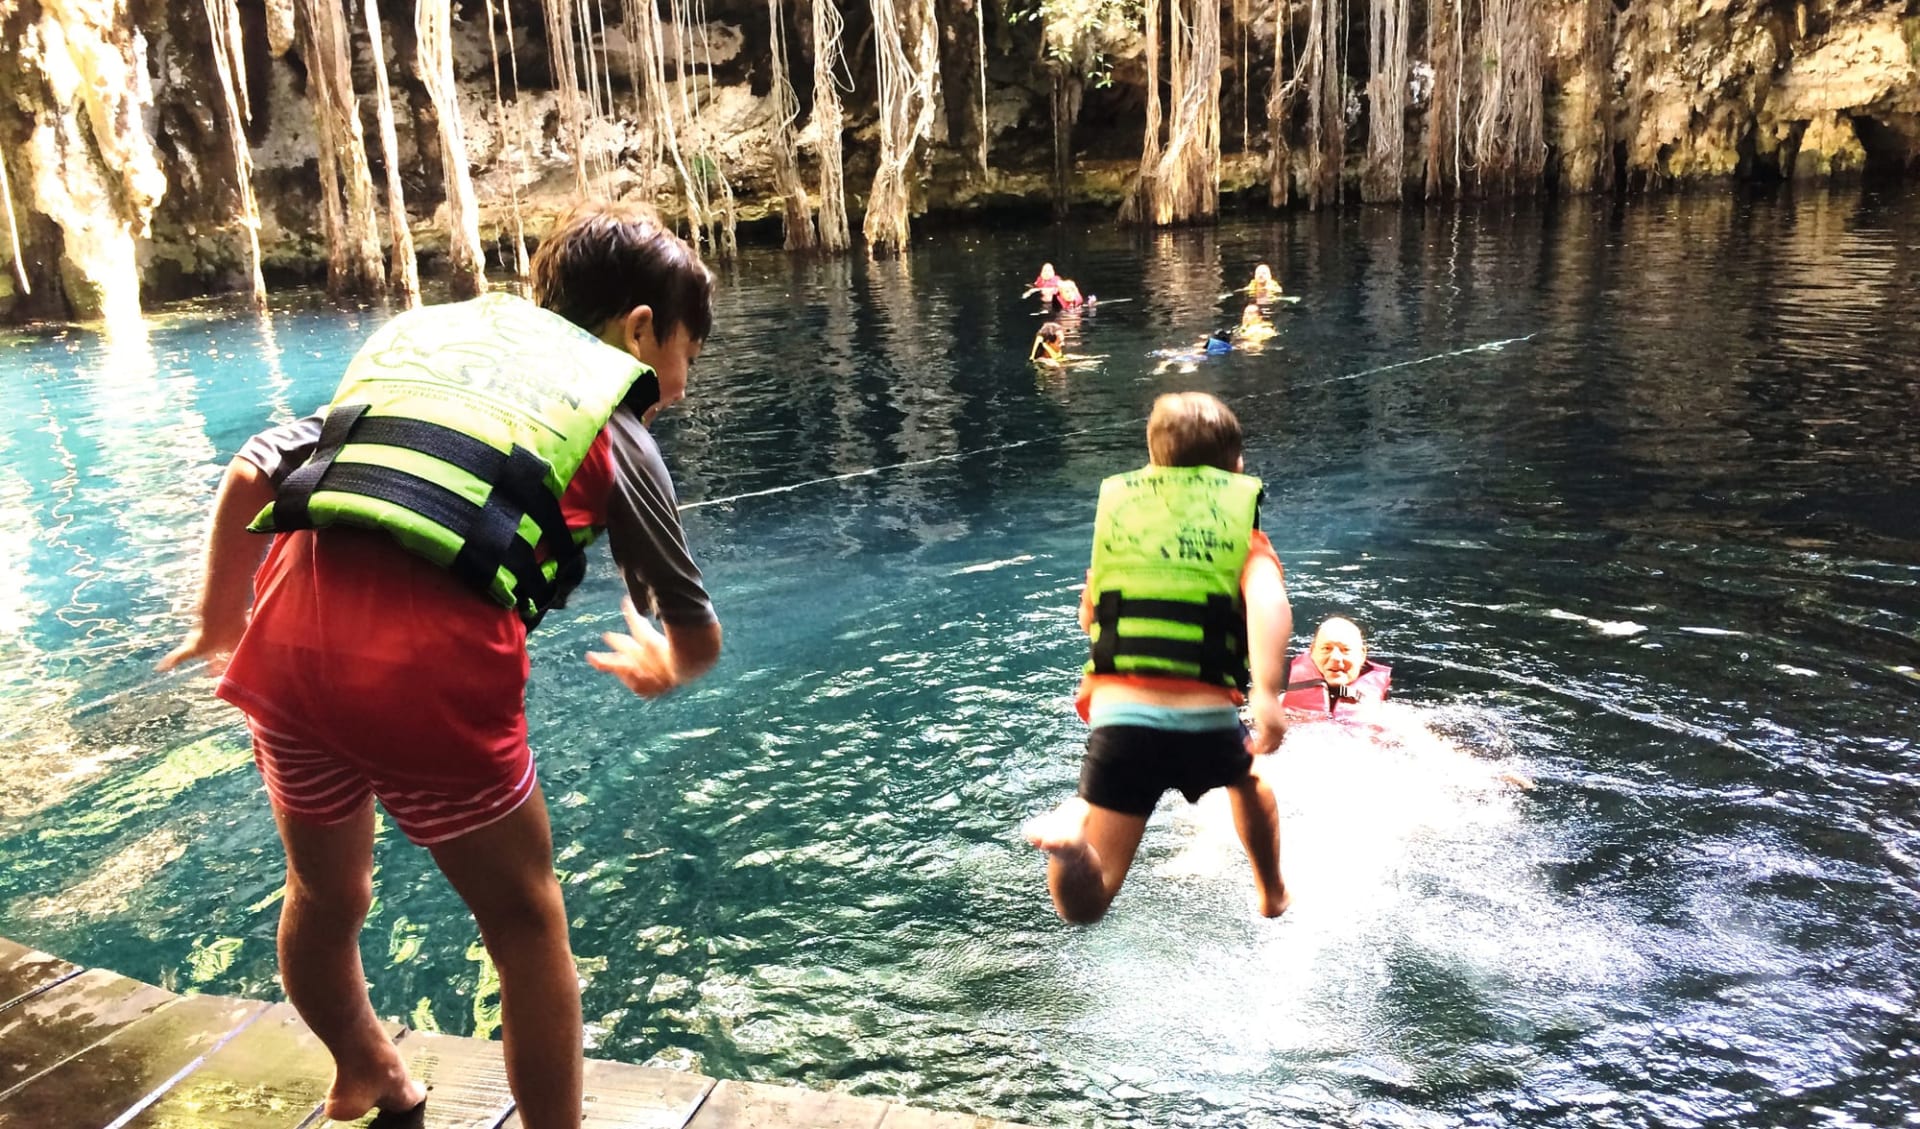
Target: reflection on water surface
1626, 497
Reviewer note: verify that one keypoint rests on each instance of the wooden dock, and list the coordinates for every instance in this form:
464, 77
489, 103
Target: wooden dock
89, 1049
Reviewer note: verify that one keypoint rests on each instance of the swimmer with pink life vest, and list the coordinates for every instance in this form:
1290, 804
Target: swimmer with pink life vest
1335, 680
1335, 673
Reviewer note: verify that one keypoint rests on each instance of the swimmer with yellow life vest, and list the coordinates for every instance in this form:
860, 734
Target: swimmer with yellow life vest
1254, 326
1050, 349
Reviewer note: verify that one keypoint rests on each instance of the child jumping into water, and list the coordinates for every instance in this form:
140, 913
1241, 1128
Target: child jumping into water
423, 526
1185, 601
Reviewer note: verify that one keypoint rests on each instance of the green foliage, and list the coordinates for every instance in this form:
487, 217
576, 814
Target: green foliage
1073, 31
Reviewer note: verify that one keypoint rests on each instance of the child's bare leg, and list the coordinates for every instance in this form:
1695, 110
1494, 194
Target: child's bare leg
329, 890
505, 873
1090, 850
1256, 816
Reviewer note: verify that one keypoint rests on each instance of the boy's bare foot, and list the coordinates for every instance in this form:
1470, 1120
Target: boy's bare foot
1061, 830
1273, 906
385, 1086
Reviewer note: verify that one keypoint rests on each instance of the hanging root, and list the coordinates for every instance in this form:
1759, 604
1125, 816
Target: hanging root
1387, 35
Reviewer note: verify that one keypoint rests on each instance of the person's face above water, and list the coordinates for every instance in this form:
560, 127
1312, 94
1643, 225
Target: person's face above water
1263, 273
1338, 652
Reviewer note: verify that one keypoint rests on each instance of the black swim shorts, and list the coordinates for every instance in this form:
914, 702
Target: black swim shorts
1127, 767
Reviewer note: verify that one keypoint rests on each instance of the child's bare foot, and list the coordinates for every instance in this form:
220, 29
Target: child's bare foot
1062, 829
384, 1086
1273, 905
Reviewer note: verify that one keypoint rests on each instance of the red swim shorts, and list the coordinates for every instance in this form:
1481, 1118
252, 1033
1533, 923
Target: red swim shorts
368, 670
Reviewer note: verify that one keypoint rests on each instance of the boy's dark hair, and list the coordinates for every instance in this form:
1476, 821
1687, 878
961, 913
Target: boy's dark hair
1193, 429
602, 259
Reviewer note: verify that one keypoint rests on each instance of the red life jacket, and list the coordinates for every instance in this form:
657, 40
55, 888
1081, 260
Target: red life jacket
1306, 690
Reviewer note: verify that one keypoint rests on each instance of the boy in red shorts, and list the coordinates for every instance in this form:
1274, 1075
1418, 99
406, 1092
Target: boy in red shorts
425, 521
1185, 604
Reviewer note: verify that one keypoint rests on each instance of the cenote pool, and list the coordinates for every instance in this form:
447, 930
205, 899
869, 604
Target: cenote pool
1631, 499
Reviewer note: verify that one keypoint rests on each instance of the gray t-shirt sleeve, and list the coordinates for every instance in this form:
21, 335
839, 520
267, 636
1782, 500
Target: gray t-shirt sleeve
643, 529
279, 451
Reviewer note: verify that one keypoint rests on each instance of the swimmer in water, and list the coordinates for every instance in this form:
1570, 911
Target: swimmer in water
1336, 672
1264, 287
1049, 345
1254, 325
1336, 680
1187, 358
1045, 285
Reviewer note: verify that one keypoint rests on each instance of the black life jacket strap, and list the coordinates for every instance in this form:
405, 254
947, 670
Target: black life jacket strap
1219, 622
489, 533
296, 490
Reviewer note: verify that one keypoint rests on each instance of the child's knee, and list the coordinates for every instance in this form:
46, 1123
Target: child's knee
341, 897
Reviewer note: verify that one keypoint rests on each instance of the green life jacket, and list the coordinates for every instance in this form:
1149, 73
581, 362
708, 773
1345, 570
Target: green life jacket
1169, 544
456, 430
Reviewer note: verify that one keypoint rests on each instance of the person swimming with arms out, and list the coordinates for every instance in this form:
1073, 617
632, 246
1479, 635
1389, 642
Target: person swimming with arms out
1046, 284
1188, 357
1175, 637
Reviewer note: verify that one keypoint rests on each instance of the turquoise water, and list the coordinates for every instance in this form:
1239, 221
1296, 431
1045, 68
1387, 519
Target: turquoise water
1628, 498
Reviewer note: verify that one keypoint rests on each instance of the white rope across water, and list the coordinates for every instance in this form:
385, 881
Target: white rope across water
868, 472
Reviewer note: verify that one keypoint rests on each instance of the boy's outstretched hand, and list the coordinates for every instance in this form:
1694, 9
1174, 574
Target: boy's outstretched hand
209, 642
643, 659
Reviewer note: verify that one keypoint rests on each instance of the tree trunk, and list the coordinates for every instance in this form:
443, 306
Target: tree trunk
566, 83
1322, 73
229, 62
1387, 35
354, 265
433, 30
798, 216
907, 65
828, 122
1509, 144
403, 270
1443, 112
962, 87
1067, 89
1186, 186
513, 130
1135, 208
1279, 109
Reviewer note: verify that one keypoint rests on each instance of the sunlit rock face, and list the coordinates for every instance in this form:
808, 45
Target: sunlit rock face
1736, 88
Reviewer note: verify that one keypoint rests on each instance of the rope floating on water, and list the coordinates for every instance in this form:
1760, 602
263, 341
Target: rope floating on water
868, 472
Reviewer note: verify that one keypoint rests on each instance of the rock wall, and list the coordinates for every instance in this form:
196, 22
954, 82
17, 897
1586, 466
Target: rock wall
124, 188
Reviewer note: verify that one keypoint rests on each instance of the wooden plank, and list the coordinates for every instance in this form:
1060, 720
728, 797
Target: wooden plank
115, 1075
273, 1075
621, 1096
45, 1030
466, 1082
24, 971
749, 1105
